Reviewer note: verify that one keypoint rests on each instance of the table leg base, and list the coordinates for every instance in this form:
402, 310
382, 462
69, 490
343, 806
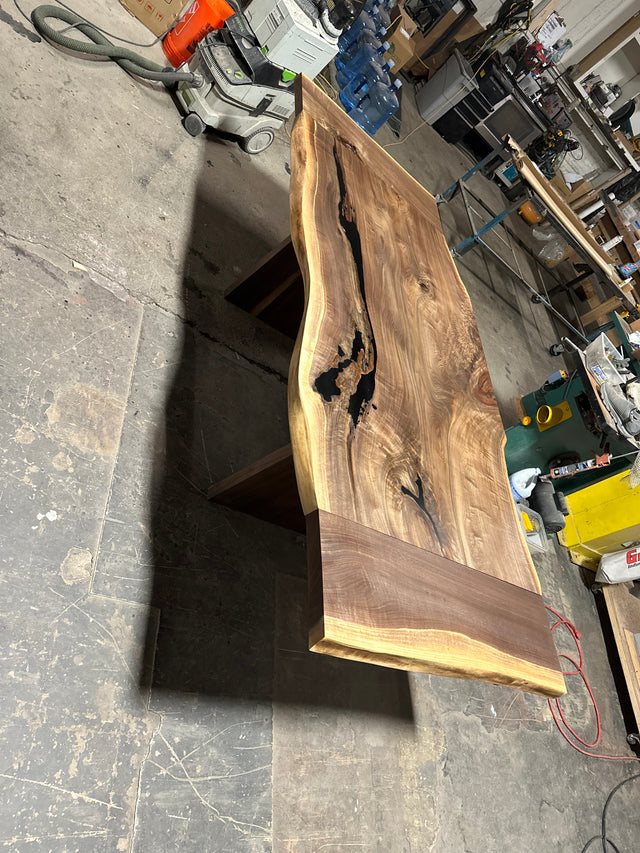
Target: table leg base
266, 489
273, 290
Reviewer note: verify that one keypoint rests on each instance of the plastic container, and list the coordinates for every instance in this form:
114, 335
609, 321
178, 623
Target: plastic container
379, 11
377, 107
604, 361
549, 416
628, 269
357, 98
363, 58
202, 17
363, 22
382, 15
366, 37
448, 86
353, 92
533, 527
530, 215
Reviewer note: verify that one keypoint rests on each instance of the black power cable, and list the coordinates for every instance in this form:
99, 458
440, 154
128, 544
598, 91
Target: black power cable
607, 843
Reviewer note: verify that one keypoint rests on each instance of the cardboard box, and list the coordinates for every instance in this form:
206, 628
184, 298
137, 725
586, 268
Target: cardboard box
573, 195
399, 37
579, 189
157, 15
400, 18
559, 183
400, 49
423, 43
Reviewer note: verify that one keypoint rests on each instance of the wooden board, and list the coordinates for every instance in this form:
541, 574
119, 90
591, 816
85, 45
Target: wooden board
624, 614
266, 489
272, 290
394, 425
574, 225
376, 599
600, 313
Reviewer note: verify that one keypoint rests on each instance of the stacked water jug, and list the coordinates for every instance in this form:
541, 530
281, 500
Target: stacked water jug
366, 90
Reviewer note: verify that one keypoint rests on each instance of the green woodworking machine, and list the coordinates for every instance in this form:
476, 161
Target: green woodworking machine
570, 428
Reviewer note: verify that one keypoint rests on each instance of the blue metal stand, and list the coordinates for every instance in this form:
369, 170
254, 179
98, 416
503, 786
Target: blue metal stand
476, 237
448, 194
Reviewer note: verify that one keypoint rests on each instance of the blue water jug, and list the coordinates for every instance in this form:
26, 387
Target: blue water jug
354, 91
387, 5
377, 107
361, 60
381, 14
358, 97
365, 37
364, 21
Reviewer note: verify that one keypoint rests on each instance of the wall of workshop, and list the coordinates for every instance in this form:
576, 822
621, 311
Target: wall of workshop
631, 89
617, 69
589, 22
623, 68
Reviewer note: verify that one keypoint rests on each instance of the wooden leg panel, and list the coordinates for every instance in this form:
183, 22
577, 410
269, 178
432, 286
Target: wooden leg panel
267, 490
273, 290
374, 598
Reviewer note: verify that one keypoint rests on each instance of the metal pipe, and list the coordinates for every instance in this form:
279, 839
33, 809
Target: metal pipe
449, 193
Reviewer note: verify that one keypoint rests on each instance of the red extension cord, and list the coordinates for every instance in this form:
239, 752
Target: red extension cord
563, 726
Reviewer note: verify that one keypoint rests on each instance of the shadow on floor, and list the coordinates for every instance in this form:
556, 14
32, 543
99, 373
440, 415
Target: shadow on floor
230, 589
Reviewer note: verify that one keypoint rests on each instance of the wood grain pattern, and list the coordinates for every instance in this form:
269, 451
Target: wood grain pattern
600, 313
393, 419
375, 598
624, 614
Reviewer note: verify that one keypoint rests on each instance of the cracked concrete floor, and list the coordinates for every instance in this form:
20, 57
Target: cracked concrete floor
156, 690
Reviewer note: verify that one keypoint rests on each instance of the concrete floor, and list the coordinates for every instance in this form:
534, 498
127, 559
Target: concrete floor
157, 692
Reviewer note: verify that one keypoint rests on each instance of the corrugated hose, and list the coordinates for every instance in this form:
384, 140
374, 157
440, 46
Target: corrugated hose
99, 45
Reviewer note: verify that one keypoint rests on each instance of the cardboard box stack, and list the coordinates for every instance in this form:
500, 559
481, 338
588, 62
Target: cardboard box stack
401, 47
576, 194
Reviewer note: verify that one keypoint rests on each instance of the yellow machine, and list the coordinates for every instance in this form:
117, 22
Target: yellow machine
603, 518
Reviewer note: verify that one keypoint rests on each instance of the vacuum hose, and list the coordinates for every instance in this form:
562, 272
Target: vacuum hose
101, 46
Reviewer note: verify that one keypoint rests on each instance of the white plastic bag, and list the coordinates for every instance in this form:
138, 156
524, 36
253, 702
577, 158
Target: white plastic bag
619, 567
554, 250
523, 483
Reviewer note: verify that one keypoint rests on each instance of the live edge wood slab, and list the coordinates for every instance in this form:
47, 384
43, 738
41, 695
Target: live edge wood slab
415, 553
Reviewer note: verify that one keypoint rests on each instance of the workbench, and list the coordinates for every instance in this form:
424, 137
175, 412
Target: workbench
620, 295
573, 230
584, 430
416, 558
